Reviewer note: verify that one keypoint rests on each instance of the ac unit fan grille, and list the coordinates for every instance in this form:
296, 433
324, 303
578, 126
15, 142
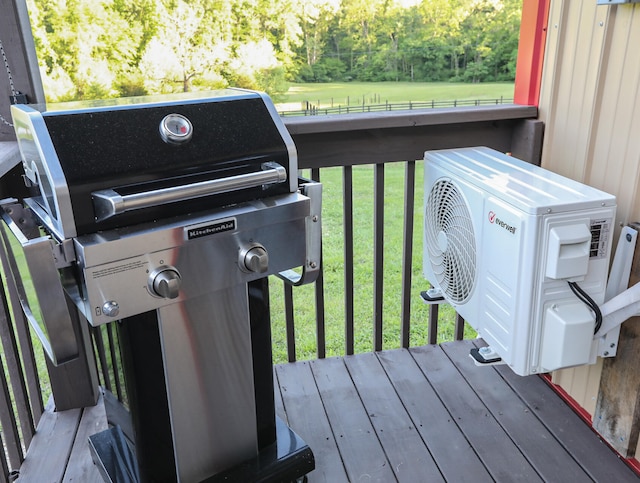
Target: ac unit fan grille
450, 240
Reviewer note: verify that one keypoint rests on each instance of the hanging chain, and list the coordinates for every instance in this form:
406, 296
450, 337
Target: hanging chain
11, 86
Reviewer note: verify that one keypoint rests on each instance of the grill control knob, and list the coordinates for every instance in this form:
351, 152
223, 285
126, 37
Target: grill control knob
166, 283
254, 259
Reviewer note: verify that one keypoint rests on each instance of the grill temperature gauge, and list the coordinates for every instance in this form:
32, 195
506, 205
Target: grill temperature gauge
176, 129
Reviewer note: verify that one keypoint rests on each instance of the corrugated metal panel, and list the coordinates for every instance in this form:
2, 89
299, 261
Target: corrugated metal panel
584, 382
589, 102
570, 83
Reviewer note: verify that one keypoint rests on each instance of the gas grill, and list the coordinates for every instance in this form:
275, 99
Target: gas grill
167, 215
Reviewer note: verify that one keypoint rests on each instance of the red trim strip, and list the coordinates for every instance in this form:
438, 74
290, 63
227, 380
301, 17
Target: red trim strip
533, 37
633, 463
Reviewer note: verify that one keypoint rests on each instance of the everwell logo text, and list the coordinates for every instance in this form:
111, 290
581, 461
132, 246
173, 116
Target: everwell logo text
494, 220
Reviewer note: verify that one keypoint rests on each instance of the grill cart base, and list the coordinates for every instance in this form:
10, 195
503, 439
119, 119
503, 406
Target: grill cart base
287, 459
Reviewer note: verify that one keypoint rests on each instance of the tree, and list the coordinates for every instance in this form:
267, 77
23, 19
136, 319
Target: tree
109, 48
185, 47
81, 62
314, 20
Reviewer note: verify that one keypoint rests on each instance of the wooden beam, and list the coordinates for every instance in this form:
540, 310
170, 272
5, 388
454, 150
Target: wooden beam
348, 140
75, 383
526, 142
617, 414
18, 67
406, 119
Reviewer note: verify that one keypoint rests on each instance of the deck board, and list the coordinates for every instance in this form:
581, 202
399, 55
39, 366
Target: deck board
432, 419
93, 420
423, 414
408, 456
498, 453
545, 454
568, 428
300, 399
360, 448
50, 449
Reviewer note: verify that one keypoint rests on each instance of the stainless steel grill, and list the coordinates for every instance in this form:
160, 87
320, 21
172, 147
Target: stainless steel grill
167, 215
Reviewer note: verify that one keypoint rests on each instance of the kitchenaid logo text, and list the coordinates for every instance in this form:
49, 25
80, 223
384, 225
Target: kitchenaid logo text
494, 220
206, 229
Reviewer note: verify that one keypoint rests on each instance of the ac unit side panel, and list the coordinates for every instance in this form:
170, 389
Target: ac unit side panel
507, 276
499, 304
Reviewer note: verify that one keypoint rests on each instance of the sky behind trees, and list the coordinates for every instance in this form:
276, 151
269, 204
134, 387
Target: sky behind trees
92, 49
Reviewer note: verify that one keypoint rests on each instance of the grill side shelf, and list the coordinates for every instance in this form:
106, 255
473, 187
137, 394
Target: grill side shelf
48, 313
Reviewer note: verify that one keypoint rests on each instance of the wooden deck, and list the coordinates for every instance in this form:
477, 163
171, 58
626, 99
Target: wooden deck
421, 415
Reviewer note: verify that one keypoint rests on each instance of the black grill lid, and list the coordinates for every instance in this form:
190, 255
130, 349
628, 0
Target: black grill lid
71, 151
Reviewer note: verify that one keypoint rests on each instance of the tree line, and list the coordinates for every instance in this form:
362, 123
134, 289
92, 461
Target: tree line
91, 49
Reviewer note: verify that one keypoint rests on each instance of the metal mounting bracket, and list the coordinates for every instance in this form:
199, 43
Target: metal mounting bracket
313, 230
621, 302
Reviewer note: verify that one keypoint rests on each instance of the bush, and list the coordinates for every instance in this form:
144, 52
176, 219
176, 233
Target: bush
304, 74
273, 82
334, 69
475, 72
131, 86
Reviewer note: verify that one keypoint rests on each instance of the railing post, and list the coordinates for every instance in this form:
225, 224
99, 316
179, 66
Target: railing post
19, 50
459, 328
319, 292
11, 436
347, 190
288, 310
102, 356
19, 382
378, 255
75, 383
432, 334
407, 252
113, 349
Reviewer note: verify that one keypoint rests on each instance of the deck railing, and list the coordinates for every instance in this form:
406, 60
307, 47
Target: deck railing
311, 109
342, 142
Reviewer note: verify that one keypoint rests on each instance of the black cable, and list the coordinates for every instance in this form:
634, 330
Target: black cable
584, 297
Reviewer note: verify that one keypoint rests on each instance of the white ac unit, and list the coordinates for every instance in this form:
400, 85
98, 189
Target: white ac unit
502, 240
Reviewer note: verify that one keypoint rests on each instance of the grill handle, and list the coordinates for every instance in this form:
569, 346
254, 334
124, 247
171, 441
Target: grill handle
108, 203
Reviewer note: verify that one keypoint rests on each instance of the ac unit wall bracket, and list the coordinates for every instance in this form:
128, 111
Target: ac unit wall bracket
621, 303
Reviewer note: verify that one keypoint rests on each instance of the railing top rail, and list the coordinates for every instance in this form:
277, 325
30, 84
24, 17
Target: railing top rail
388, 136
407, 118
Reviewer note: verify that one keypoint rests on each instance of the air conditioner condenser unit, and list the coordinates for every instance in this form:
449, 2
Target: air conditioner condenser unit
521, 253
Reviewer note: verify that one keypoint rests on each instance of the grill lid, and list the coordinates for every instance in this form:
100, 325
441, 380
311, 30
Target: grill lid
102, 165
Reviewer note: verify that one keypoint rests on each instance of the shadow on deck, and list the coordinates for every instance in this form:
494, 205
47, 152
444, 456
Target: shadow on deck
423, 414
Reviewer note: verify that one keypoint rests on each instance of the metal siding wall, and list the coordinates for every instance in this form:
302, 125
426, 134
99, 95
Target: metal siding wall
589, 103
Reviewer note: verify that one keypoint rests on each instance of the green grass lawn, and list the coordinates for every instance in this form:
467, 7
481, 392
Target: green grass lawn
333, 249
352, 93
